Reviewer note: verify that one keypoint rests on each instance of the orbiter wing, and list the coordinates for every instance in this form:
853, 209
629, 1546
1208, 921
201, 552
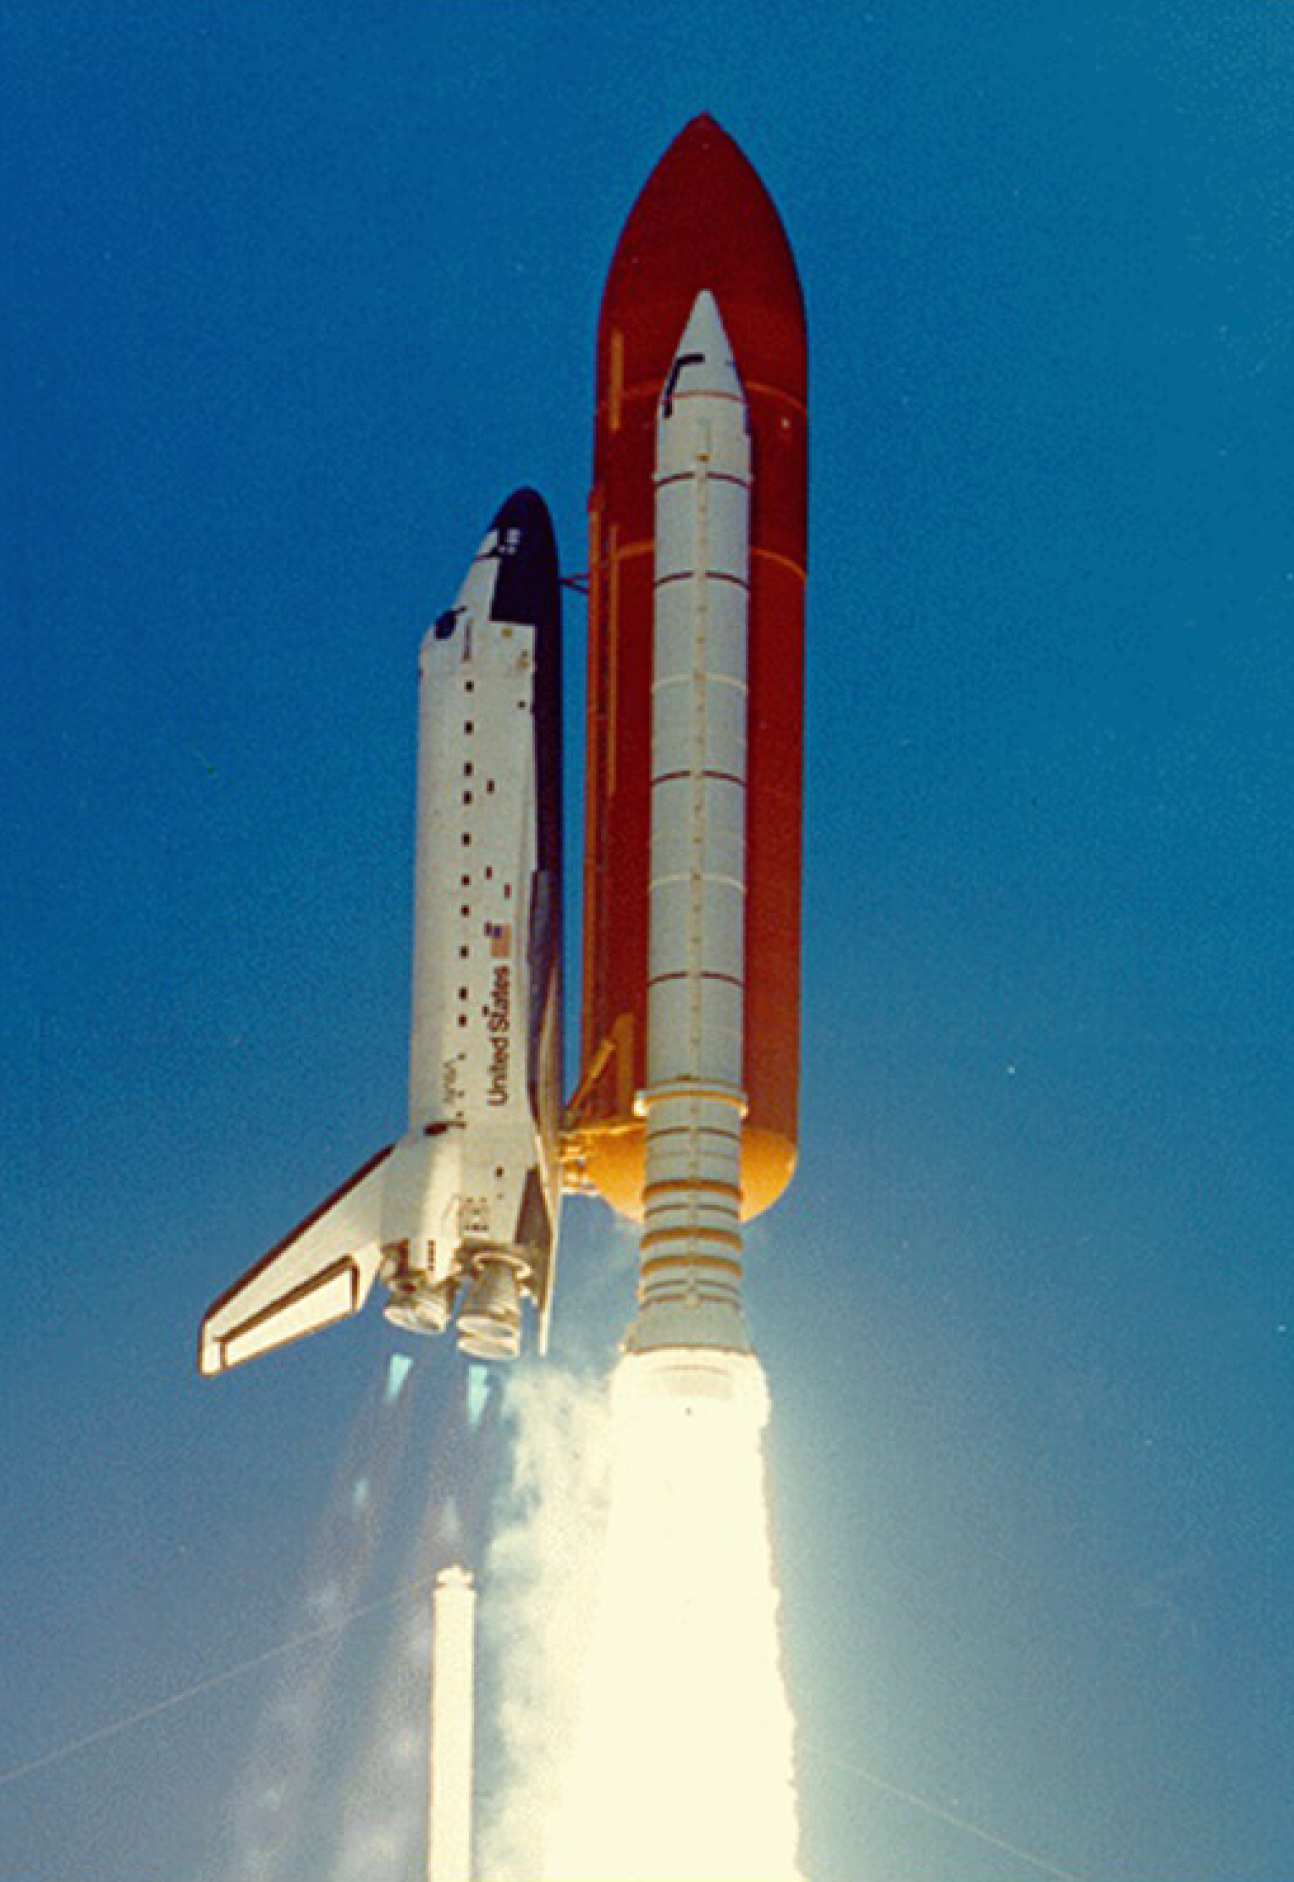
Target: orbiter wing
320, 1273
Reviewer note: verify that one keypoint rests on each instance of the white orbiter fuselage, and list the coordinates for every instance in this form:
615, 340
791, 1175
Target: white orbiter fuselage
468, 1198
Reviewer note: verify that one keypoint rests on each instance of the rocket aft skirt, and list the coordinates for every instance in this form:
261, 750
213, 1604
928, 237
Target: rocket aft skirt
703, 220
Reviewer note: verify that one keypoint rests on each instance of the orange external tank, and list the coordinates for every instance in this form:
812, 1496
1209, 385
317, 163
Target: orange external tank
703, 220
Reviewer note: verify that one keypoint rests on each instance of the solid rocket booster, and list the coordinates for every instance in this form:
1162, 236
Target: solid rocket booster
690, 1282
449, 1801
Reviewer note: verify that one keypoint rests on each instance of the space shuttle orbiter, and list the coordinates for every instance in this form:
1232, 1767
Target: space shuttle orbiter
461, 1212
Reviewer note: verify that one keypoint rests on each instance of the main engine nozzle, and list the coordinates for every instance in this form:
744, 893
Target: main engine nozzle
489, 1327
421, 1310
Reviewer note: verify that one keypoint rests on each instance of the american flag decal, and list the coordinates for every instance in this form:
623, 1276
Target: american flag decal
500, 933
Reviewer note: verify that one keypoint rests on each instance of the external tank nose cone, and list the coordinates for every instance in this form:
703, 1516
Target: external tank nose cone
704, 219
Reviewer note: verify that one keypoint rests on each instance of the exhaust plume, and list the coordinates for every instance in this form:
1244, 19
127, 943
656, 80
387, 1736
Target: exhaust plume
651, 1739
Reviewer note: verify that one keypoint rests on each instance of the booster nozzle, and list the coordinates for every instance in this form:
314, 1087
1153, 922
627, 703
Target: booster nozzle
695, 1375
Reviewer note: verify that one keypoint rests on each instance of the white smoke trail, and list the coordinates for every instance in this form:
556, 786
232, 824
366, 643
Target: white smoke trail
653, 1737
267, 1810
384, 1809
542, 1586
382, 1834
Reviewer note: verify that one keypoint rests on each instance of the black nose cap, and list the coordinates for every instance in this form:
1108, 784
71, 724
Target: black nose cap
526, 511
527, 587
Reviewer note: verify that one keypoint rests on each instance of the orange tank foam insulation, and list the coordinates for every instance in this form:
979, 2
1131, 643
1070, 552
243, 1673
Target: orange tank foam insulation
703, 220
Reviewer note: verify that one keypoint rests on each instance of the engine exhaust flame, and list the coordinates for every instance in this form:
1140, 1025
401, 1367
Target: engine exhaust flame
678, 1765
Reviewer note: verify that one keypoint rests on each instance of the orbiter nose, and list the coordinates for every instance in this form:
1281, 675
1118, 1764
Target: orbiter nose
524, 511
526, 549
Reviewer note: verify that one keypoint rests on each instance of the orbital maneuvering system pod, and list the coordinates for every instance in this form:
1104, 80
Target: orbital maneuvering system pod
684, 1117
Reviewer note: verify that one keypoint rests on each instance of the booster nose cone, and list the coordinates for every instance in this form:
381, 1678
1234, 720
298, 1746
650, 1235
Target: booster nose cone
704, 334
703, 362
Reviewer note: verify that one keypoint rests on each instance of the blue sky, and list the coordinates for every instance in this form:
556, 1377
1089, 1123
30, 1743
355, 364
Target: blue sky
293, 295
